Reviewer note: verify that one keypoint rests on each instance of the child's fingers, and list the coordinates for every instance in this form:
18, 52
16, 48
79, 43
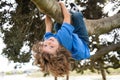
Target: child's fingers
64, 9
62, 4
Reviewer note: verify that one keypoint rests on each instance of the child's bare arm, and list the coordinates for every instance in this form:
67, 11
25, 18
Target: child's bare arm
66, 14
48, 23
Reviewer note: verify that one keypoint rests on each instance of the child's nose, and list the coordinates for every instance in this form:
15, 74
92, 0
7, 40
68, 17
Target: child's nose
49, 42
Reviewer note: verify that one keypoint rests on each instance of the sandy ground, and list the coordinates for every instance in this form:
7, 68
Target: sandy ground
83, 77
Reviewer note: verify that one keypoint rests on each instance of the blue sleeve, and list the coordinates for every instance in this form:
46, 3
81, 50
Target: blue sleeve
48, 35
68, 28
64, 35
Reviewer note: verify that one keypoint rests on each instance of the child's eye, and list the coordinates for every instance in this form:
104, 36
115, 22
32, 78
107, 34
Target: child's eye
45, 45
51, 47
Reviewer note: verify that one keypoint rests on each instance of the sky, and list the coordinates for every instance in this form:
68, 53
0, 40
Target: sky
8, 66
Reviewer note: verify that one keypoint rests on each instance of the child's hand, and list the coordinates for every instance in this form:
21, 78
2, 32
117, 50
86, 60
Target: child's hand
48, 23
66, 14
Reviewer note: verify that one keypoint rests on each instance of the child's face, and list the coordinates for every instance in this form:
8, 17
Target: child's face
51, 45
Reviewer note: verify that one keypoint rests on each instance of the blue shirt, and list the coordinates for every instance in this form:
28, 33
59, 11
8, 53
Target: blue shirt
65, 36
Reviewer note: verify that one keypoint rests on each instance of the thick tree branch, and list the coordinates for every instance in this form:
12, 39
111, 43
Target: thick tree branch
103, 25
96, 27
51, 8
105, 50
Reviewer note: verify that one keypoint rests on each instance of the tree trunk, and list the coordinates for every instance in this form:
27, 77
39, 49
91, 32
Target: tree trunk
67, 77
55, 78
103, 74
102, 69
96, 27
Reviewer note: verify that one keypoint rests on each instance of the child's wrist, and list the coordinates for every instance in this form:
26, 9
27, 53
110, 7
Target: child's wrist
67, 19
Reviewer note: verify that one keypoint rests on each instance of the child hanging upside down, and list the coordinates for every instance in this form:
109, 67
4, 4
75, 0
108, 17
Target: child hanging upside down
69, 41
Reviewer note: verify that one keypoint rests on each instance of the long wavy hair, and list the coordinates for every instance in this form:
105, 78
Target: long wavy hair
58, 65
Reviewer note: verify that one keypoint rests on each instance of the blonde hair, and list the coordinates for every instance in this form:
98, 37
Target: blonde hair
57, 65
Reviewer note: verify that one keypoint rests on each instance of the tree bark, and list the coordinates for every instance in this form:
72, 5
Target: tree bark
105, 50
51, 8
102, 70
96, 27
103, 25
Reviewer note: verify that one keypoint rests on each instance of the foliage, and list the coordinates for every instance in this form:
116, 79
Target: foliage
26, 26
92, 9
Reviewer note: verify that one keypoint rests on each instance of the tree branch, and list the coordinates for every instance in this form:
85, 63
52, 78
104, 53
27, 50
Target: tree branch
105, 50
103, 25
51, 8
